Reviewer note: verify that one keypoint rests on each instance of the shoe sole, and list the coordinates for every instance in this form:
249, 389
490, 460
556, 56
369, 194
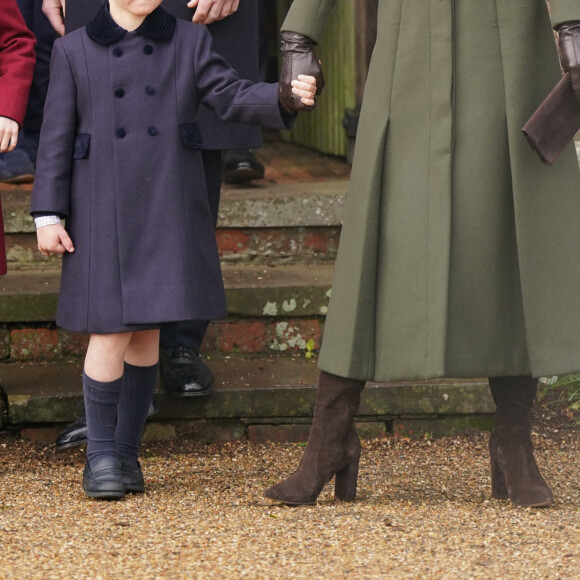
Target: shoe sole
242, 176
135, 489
175, 395
108, 495
72, 444
294, 503
26, 178
535, 505
530, 505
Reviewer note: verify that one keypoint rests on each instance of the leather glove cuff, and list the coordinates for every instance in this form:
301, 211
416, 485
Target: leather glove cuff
569, 45
298, 58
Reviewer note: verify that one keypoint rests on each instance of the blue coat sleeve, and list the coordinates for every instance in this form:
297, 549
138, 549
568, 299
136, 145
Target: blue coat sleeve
233, 99
51, 191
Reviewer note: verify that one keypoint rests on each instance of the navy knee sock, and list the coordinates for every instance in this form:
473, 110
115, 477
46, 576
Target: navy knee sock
101, 400
136, 395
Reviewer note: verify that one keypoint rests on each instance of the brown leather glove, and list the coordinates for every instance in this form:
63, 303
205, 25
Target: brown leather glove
569, 44
297, 59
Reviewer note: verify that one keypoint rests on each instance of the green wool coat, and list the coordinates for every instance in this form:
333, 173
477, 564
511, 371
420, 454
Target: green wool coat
460, 251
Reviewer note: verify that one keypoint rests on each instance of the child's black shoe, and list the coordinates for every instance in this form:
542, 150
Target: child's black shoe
132, 474
104, 480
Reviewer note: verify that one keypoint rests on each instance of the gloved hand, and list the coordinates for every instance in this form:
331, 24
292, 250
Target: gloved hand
569, 44
297, 59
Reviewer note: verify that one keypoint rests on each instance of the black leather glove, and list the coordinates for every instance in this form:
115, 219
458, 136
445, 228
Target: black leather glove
569, 44
297, 59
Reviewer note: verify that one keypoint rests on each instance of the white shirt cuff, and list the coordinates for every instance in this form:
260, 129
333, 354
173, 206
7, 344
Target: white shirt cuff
46, 220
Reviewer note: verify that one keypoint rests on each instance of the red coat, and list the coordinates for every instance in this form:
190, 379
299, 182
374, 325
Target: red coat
16, 62
16, 66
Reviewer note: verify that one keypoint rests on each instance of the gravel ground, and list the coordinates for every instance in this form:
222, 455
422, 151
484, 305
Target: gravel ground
424, 511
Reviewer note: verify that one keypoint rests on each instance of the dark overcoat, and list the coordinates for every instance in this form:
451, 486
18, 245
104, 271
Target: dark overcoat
460, 251
235, 38
119, 159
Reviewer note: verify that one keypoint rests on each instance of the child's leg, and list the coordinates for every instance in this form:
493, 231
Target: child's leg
102, 382
140, 377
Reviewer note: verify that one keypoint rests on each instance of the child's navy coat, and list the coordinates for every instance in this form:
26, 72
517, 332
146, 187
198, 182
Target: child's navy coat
119, 159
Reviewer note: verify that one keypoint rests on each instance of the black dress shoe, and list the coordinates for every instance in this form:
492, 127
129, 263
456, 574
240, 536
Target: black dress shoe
132, 474
104, 480
76, 433
184, 374
73, 435
241, 166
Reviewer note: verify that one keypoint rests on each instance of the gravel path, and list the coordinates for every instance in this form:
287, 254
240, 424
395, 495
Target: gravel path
424, 511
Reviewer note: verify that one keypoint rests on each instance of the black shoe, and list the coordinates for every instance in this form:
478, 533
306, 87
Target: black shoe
76, 433
241, 166
16, 167
104, 480
73, 435
132, 474
184, 374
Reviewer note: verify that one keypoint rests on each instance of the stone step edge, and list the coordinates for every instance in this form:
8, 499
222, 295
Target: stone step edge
293, 431
250, 389
235, 245
262, 206
251, 291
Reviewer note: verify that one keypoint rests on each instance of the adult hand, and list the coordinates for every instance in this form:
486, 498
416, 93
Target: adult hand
298, 58
208, 11
8, 134
569, 44
53, 238
54, 11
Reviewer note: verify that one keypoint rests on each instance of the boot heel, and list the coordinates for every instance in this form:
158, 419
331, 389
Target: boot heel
498, 487
345, 482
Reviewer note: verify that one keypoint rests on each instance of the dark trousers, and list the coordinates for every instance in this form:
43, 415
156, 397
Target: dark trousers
45, 36
190, 333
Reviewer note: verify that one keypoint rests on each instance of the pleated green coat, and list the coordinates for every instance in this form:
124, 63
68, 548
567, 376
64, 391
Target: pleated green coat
460, 252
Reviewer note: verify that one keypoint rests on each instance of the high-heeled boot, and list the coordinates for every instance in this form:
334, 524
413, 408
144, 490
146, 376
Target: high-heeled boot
514, 473
333, 447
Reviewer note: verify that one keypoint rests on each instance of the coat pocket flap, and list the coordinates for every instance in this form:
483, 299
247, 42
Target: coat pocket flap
82, 142
191, 135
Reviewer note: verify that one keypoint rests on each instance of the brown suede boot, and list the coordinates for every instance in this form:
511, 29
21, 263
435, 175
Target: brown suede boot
333, 446
514, 473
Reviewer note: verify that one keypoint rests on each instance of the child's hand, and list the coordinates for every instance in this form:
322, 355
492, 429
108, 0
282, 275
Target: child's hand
8, 134
53, 239
305, 87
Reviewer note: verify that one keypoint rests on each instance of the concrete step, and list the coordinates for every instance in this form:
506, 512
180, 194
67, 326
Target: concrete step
252, 396
262, 223
251, 290
272, 309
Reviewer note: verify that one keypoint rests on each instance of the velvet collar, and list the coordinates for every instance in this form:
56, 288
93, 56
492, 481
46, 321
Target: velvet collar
159, 25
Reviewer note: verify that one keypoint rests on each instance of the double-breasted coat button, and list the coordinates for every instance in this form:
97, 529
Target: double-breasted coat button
121, 133
117, 52
150, 90
119, 92
152, 131
148, 49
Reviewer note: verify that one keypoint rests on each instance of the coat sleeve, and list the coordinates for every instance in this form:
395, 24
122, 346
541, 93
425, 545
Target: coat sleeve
233, 99
16, 62
51, 191
564, 11
308, 17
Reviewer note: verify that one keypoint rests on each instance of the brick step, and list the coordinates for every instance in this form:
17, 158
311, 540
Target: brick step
271, 309
250, 397
263, 223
